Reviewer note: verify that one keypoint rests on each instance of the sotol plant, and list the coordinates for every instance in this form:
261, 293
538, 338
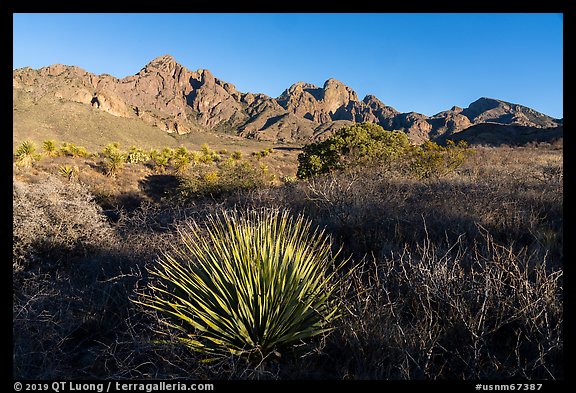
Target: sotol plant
68, 171
26, 154
257, 284
114, 159
50, 148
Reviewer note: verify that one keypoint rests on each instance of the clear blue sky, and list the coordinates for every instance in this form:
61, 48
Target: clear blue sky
414, 62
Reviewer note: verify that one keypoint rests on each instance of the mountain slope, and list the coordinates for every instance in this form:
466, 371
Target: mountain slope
495, 134
166, 95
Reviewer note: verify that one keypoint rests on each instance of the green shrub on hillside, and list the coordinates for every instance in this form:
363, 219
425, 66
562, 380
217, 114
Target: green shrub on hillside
181, 160
114, 159
50, 149
26, 154
368, 144
159, 161
258, 285
68, 171
136, 155
359, 144
431, 160
71, 150
227, 177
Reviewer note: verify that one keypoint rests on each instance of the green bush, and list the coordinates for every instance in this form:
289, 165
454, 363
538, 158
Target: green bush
71, 150
368, 144
431, 160
207, 155
136, 155
114, 159
26, 154
50, 148
68, 171
159, 161
181, 160
359, 144
227, 177
256, 286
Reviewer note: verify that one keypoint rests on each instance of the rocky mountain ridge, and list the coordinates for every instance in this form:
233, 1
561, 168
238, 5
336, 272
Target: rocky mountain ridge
171, 97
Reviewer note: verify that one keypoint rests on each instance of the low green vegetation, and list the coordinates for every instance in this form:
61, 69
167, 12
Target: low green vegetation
367, 144
256, 286
114, 159
26, 154
70, 149
182, 256
68, 172
50, 148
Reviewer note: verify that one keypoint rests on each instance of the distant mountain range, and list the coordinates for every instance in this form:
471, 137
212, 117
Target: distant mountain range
169, 96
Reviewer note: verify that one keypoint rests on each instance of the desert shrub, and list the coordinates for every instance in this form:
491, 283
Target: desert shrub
288, 179
69, 172
168, 152
236, 155
228, 177
71, 150
257, 285
206, 155
257, 155
114, 159
451, 311
159, 161
49, 147
26, 154
431, 160
53, 219
262, 153
181, 160
359, 144
110, 148
136, 155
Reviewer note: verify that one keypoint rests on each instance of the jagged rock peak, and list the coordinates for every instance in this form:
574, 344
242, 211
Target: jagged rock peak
333, 82
299, 86
163, 60
370, 98
163, 64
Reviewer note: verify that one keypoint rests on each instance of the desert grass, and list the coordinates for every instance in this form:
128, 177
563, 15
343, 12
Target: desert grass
460, 277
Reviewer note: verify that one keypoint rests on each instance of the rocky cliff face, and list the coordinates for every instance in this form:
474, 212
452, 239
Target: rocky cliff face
175, 99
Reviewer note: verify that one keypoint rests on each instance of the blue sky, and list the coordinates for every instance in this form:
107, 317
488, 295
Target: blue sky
414, 62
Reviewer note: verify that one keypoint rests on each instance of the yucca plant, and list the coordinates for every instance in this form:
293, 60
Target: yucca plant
256, 285
26, 154
181, 160
159, 161
114, 162
50, 148
68, 171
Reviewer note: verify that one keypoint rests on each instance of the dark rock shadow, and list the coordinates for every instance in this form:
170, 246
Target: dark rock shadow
157, 187
272, 120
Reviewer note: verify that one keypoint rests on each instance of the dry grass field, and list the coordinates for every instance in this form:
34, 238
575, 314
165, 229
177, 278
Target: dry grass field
456, 277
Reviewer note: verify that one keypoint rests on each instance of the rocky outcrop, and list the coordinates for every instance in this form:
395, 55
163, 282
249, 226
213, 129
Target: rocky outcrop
323, 131
414, 124
317, 104
175, 99
496, 134
448, 122
286, 127
486, 110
